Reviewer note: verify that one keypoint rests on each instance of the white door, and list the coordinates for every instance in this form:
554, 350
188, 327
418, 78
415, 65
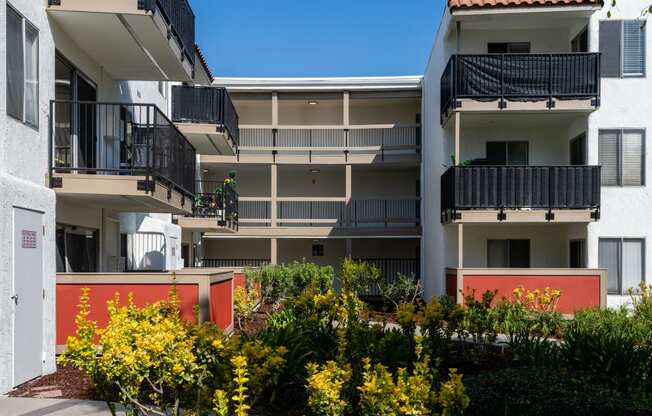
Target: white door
28, 295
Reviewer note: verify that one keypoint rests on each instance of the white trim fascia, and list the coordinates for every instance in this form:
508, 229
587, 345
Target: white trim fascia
488, 10
321, 84
301, 237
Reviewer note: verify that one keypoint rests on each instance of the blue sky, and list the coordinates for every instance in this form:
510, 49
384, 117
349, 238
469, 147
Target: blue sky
303, 38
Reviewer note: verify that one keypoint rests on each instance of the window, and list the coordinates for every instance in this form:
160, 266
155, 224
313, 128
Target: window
622, 44
508, 47
77, 249
624, 259
22, 69
507, 153
580, 43
577, 259
622, 155
508, 253
318, 250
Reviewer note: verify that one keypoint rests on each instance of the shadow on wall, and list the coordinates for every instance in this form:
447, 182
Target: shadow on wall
153, 260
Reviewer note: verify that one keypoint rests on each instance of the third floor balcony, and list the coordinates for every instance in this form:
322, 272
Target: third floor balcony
131, 39
525, 82
206, 116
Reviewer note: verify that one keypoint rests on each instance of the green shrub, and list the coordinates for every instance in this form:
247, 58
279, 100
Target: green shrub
278, 282
534, 392
357, 275
610, 343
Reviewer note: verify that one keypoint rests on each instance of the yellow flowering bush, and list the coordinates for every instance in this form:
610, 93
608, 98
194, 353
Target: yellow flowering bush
147, 353
325, 384
537, 300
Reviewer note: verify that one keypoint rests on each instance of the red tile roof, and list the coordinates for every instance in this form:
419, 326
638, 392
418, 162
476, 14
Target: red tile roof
460, 4
203, 62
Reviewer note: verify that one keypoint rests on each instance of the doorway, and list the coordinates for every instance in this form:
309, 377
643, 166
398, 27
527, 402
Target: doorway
578, 150
28, 295
75, 118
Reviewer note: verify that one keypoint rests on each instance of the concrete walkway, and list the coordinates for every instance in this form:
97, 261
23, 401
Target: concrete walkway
19, 406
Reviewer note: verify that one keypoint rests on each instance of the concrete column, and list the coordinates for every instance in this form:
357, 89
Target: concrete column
273, 255
274, 194
460, 246
275, 110
457, 137
346, 106
347, 194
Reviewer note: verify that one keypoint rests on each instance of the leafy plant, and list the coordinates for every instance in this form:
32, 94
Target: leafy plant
147, 354
325, 384
244, 303
406, 288
357, 275
477, 322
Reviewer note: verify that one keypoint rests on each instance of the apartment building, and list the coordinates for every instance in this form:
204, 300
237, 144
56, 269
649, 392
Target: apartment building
325, 168
535, 146
92, 169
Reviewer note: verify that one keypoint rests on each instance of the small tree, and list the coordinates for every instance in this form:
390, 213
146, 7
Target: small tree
357, 275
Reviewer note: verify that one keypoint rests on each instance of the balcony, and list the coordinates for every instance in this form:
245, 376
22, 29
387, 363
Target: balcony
127, 157
521, 82
132, 39
362, 144
206, 116
520, 194
215, 211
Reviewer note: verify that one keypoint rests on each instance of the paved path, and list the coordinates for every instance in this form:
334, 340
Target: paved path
19, 406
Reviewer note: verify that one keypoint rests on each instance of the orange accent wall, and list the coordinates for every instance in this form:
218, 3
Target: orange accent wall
143, 294
578, 292
238, 279
222, 303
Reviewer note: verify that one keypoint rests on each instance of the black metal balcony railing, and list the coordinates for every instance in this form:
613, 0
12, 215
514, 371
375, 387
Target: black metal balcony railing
520, 77
179, 15
514, 187
222, 204
389, 270
209, 105
120, 139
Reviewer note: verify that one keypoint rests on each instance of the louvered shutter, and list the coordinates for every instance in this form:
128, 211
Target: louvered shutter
610, 48
632, 264
609, 258
608, 150
632, 145
633, 48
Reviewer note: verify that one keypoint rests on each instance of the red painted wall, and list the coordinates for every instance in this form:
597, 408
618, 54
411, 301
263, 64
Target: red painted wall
578, 292
222, 303
143, 294
451, 285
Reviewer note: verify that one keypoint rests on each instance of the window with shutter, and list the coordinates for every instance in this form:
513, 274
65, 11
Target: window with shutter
624, 259
633, 48
621, 154
622, 48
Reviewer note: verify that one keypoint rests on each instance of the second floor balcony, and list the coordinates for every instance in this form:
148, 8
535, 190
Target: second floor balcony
520, 194
527, 82
206, 115
123, 156
214, 209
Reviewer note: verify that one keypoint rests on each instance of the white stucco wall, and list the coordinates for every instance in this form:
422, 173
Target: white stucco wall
625, 103
23, 166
